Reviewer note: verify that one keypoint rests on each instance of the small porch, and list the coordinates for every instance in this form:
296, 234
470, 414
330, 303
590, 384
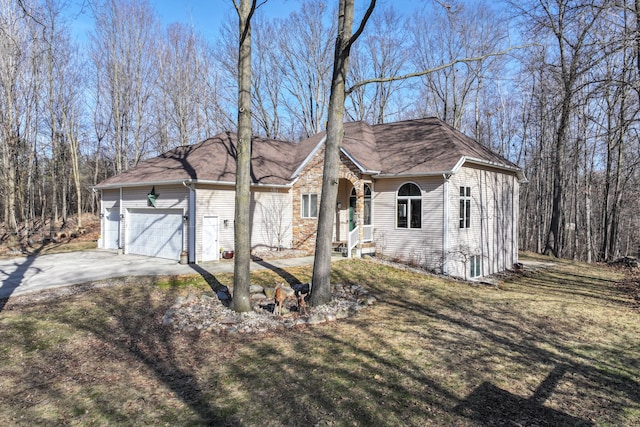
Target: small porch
353, 233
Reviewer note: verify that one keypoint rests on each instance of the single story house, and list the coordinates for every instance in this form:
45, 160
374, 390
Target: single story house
417, 191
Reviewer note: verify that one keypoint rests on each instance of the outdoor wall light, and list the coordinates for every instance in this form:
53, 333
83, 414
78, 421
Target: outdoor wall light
121, 216
226, 223
101, 215
185, 218
339, 205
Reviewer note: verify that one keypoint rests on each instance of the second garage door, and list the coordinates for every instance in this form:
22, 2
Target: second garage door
155, 232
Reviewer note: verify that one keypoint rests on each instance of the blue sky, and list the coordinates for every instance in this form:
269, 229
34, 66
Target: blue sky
206, 16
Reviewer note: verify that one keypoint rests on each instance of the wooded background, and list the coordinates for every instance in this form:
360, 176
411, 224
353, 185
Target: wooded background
553, 86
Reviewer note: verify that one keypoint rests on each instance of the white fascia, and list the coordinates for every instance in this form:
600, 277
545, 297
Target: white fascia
519, 173
414, 175
308, 158
358, 165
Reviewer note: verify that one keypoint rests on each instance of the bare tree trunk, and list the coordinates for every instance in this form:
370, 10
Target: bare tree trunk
321, 285
242, 227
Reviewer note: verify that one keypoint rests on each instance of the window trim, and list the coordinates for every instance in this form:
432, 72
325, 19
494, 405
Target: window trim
309, 197
368, 205
410, 208
465, 207
475, 266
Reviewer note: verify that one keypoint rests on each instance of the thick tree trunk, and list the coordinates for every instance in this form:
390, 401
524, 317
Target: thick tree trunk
553, 244
321, 284
242, 238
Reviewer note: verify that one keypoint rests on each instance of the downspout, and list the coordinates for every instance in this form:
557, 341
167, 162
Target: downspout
121, 230
191, 222
445, 223
484, 223
101, 216
514, 223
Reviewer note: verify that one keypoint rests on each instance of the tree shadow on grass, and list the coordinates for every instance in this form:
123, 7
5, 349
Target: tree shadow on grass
134, 334
492, 405
476, 336
208, 277
288, 277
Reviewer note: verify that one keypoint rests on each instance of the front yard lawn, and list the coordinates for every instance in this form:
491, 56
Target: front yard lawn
556, 346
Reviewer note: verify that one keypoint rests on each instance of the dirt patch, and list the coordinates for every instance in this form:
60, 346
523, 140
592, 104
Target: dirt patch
41, 237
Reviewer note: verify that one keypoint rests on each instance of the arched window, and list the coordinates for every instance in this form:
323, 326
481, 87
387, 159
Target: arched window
409, 202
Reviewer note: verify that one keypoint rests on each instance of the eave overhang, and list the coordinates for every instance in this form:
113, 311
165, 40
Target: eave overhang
184, 182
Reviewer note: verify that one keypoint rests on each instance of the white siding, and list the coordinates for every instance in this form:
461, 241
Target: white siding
421, 246
270, 210
493, 231
271, 219
220, 202
492, 235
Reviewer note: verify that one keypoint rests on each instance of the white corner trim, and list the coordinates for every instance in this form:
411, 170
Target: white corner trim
308, 158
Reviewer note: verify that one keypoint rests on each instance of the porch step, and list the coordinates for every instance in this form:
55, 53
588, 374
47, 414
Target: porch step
339, 247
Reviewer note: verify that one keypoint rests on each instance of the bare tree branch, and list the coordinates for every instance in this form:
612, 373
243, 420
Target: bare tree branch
360, 29
432, 70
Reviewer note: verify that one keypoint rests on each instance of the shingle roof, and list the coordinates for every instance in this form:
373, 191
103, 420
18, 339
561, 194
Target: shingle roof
411, 147
272, 163
426, 146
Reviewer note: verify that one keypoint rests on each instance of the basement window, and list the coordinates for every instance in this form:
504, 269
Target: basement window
475, 264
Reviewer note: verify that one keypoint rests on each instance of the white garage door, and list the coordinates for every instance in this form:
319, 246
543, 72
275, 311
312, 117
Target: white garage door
155, 232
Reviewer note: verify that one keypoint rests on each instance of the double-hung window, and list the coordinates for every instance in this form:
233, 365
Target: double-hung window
309, 206
409, 202
465, 207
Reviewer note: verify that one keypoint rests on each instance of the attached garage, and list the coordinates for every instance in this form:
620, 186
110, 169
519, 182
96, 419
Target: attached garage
154, 232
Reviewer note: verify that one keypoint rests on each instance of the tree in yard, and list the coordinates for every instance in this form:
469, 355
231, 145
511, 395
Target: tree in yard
321, 286
321, 289
242, 227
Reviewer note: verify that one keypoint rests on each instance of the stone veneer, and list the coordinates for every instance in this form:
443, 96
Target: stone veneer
310, 182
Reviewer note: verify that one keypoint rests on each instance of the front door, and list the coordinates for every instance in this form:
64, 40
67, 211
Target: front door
210, 244
112, 229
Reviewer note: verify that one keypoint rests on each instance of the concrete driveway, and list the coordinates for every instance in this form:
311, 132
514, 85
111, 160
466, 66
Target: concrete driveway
30, 274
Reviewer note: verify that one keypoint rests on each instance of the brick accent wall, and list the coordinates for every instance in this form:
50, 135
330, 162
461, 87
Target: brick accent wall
310, 182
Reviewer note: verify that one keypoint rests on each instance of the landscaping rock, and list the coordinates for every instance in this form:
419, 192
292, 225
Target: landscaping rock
255, 289
207, 314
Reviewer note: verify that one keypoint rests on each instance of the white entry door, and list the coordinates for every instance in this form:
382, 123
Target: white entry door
154, 232
210, 242
112, 229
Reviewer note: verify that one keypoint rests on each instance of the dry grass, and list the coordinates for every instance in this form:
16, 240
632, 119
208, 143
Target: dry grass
557, 346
